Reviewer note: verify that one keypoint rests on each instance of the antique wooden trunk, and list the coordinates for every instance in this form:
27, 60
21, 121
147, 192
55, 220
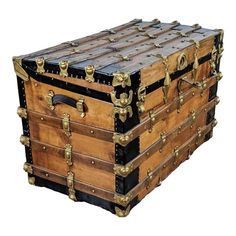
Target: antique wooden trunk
108, 117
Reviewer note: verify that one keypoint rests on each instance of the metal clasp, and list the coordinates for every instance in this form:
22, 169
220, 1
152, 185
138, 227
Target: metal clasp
152, 120
40, 65
89, 70
124, 99
68, 154
70, 185
121, 78
141, 98
149, 178
80, 107
63, 68
49, 99
66, 124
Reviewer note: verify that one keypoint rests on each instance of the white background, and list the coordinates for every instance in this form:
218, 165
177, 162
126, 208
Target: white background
197, 199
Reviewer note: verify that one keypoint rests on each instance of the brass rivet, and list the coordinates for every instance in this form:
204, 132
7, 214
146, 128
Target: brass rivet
44, 148
92, 162
93, 191
147, 153
164, 166
167, 110
178, 110
46, 174
205, 109
160, 150
193, 93
41, 118
35, 84
91, 131
191, 127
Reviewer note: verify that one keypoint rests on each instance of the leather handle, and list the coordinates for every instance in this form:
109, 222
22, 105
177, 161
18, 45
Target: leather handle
55, 99
194, 83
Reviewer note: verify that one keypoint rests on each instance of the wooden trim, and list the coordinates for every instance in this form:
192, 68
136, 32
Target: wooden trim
76, 127
110, 196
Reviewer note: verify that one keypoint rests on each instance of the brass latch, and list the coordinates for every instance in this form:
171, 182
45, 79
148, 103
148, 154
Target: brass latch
25, 140
49, 99
121, 79
123, 170
213, 60
81, 107
195, 63
28, 168
167, 80
122, 139
122, 200
22, 112
152, 120
66, 124
63, 65
40, 65
19, 70
141, 98
149, 178
70, 185
122, 105
89, 71
68, 154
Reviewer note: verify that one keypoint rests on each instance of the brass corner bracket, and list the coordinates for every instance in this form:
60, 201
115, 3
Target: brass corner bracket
122, 213
121, 79
25, 140
22, 112
123, 170
28, 168
19, 70
122, 139
122, 200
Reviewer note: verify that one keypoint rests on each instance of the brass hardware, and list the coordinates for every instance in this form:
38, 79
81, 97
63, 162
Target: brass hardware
63, 68
149, 178
31, 180
123, 170
182, 34
176, 151
40, 65
182, 61
157, 45
140, 29
156, 21
68, 154
219, 76
122, 105
199, 133
175, 22
151, 36
181, 101
196, 63
22, 112
122, 112
124, 58
25, 140
122, 200
66, 125
193, 115
89, 70
214, 123
163, 137
19, 70
111, 40
28, 168
167, 80
196, 26
213, 60
70, 185
152, 120
49, 99
141, 98
121, 78
80, 107
124, 99
122, 139
122, 213
217, 100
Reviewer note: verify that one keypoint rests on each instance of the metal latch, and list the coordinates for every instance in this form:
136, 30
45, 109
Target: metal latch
81, 107
66, 124
70, 185
89, 71
40, 65
63, 68
49, 99
68, 154
141, 98
149, 178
